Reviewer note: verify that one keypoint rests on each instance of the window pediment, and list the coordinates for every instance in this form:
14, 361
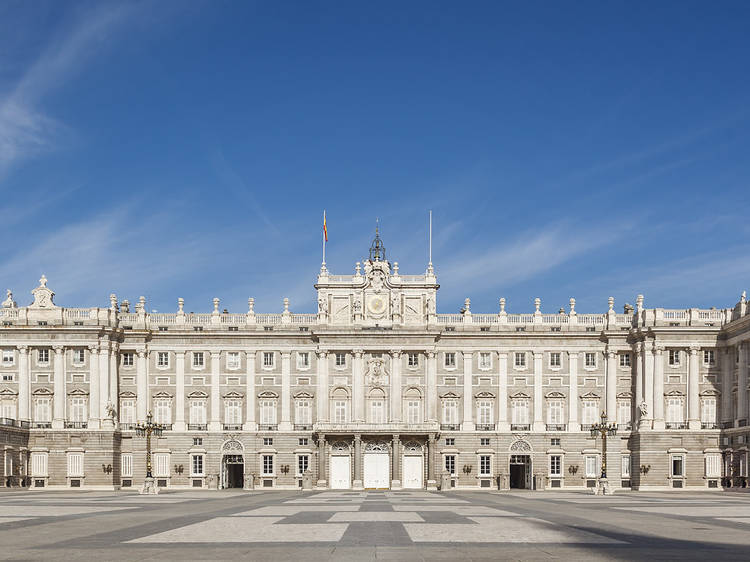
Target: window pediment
554, 394
163, 394
78, 392
268, 394
710, 392
519, 396
303, 395
674, 393
127, 394
8, 392
484, 395
450, 396
624, 395
234, 394
590, 396
42, 392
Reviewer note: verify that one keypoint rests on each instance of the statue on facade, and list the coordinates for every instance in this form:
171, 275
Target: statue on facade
110, 409
643, 408
357, 304
9, 302
321, 304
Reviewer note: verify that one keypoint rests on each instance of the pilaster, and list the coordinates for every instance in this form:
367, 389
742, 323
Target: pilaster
58, 366
250, 423
24, 384
215, 423
538, 411
573, 424
694, 419
94, 411
502, 393
396, 386
179, 421
286, 392
659, 388
468, 399
141, 381
431, 387
322, 398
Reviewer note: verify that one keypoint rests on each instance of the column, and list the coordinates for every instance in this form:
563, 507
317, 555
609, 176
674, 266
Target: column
286, 392
638, 384
502, 393
58, 419
727, 361
104, 383
573, 424
742, 383
215, 423
395, 458
693, 388
358, 388
94, 411
24, 384
141, 382
250, 423
538, 413
468, 423
659, 388
322, 462
179, 399
431, 387
357, 484
396, 386
611, 385
648, 382
431, 478
322, 402
113, 378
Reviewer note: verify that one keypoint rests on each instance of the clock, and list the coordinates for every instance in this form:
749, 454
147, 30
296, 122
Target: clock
376, 304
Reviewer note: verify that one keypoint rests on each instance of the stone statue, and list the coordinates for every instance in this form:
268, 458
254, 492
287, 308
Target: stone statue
110, 408
321, 304
357, 304
9, 302
643, 407
395, 304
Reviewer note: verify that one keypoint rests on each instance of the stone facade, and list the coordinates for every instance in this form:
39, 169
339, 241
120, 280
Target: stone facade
374, 390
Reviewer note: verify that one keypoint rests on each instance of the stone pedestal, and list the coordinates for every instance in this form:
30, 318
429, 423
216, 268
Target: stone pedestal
357, 485
602, 488
307, 481
108, 423
395, 484
432, 485
248, 482
321, 485
445, 482
149, 487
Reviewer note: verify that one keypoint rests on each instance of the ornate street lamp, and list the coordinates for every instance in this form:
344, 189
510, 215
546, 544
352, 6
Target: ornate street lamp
604, 429
146, 430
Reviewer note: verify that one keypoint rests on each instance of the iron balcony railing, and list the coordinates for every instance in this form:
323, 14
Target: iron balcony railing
41, 425
75, 425
485, 427
676, 425
268, 427
197, 427
520, 427
709, 425
449, 427
556, 427
625, 426
302, 427
8, 421
127, 426
232, 426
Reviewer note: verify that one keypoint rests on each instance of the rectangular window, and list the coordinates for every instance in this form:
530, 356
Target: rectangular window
78, 411
79, 356
678, 466
302, 412
233, 412
196, 465
624, 359
303, 463
412, 359
555, 465
708, 357
623, 412
554, 441
519, 359
450, 412
450, 441
42, 356
485, 465
233, 360
484, 441
555, 412
554, 359
341, 359
590, 359
674, 410
162, 359
39, 464
267, 465
75, 464
450, 464
625, 466
303, 441
163, 410
197, 441
127, 411
339, 411
450, 360
303, 360
674, 357
198, 359
161, 465
127, 359
267, 441
198, 412
713, 466
519, 411
8, 409
377, 409
591, 466
413, 411
590, 412
268, 412
484, 412
485, 360
708, 410
9, 357
42, 411
126, 465
268, 359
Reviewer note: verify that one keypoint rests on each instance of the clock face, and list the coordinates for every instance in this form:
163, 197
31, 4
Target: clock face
376, 305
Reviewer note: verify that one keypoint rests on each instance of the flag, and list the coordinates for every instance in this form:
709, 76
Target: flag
325, 227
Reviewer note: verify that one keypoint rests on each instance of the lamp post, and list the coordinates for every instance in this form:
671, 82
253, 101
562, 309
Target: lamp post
604, 429
146, 430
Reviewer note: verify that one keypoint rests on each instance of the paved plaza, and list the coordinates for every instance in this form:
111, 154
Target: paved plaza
348, 525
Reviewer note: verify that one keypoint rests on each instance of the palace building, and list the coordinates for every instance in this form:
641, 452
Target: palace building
374, 390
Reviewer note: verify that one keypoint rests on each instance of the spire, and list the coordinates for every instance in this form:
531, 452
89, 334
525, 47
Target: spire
377, 249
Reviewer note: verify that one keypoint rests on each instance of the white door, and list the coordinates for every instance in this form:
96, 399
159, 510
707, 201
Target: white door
413, 470
340, 473
377, 470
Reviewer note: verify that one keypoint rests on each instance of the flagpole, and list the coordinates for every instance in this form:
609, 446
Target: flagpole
429, 265
324, 238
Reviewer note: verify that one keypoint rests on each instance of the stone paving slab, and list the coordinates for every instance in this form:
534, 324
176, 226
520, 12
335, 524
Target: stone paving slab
375, 516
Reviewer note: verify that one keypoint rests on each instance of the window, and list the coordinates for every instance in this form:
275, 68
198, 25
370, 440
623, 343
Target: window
198, 412
519, 411
592, 466
163, 410
485, 360
674, 357
450, 360
339, 411
484, 412
268, 465
341, 359
126, 465
377, 409
708, 410
678, 466
303, 463
233, 360
303, 441
625, 466
8, 409
624, 359
674, 410
268, 412
161, 465
303, 360
197, 441
196, 465
413, 411
519, 359
623, 412
42, 356
484, 441
590, 411
268, 359
555, 465
39, 464
554, 359
713, 466
708, 357
412, 359
79, 356
450, 441
127, 359
42, 410
233, 412
9, 357
267, 441
78, 409
450, 464
75, 464
554, 442
485, 465
555, 412
127, 411
589, 359
450, 412
302, 411
198, 359
162, 359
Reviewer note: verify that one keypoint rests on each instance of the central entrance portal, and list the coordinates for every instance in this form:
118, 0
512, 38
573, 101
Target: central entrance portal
376, 466
520, 472
234, 471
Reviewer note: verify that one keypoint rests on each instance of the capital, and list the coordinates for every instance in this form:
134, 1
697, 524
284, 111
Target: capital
58, 349
430, 354
658, 350
93, 349
395, 352
141, 351
694, 349
322, 354
23, 349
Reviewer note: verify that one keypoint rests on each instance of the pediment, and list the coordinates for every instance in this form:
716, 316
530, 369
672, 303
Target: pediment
484, 395
674, 393
710, 392
590, 396
197, 394
303, 394
555, 394
127, 394
8, 392
626, 394
78, 392
268, 394
233, 394
42, 392
520, 396
450, 395
163, 394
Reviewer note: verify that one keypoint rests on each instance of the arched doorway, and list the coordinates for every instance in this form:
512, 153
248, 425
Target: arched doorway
232, 464
341, 466
519, 465
377, 466
413, 466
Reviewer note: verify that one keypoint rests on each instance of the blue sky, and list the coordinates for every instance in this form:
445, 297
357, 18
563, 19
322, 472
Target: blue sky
188, 149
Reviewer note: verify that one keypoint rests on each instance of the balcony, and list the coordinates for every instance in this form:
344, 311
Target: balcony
741, 423
449, 427
676, 425
556, 427
586, 426
232, 427
726, 425
520, 427
197, 427
376, 428
127, 426
625, 426
302, 427
166, 426
76, 425
8, 421
41, 425
268, 427
709, 425
485, 427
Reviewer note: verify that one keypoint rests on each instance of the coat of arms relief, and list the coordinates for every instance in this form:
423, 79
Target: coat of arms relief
376, 372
